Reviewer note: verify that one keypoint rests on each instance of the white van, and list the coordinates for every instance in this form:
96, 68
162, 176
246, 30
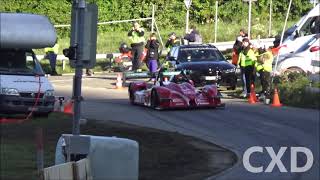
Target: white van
305, 59
302, 31
23, 85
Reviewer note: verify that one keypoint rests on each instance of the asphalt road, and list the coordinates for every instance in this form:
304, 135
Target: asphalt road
237, 127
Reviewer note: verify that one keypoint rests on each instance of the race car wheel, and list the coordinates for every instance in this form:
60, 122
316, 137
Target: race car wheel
294, 70
155, 101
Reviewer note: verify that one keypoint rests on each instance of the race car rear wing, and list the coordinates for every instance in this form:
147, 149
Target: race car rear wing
26, 31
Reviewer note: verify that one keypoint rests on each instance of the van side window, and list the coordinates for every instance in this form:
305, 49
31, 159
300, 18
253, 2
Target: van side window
311, 26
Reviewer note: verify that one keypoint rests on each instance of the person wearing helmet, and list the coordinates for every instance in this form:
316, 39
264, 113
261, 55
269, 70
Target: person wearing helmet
124, 48
124, 57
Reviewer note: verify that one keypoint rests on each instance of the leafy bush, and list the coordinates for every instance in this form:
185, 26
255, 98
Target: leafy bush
293, 91
169, 13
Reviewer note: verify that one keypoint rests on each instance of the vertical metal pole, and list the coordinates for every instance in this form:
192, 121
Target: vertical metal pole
157, 29
39, 142
283, 30
216, 23
249, 19
270, 19
81, 5
187, 21
152, 21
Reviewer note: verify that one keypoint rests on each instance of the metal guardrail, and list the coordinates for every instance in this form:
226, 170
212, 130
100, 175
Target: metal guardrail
222, 46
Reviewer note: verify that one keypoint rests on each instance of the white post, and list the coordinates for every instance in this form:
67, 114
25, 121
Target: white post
270, 19
188, 4
152, 21
284, 28
187, 21
249, 19
216, 23
155, 23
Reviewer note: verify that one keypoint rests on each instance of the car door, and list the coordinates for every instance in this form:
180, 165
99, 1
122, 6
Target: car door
315, 57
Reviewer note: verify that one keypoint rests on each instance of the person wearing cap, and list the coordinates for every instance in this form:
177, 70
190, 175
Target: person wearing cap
136, 36
247, 59
172, 41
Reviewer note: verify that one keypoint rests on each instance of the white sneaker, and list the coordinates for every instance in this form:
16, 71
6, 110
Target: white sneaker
243, 94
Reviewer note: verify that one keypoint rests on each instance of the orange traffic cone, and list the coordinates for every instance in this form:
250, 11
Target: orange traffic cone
276, 99
119, 82
252, 99
68, 107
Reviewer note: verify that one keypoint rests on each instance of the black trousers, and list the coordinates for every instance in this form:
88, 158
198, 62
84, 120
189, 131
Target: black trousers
265, 82
53, 60
249, 76
136, 51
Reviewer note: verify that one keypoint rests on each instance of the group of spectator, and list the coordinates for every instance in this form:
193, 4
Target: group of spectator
136, 36
253, 59
137, 42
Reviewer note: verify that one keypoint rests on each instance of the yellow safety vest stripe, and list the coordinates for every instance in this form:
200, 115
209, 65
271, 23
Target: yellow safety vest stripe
54, 49
247, 60
267, 65
135, 38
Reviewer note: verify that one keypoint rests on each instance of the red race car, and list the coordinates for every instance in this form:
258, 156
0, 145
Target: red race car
177, 92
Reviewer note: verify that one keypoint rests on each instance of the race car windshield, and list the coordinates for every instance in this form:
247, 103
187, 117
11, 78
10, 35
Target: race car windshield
199, 54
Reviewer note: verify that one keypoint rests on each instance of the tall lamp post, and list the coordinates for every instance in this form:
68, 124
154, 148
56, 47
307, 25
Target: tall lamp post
188, 4
270, 19
216, 23
249, 16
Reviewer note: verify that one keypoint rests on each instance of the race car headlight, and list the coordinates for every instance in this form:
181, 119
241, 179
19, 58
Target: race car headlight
229, 70
9, 91
49, 93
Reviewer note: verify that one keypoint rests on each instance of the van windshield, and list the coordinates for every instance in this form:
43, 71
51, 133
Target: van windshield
19, 62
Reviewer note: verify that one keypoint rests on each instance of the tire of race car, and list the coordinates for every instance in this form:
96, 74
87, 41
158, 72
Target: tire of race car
154, 99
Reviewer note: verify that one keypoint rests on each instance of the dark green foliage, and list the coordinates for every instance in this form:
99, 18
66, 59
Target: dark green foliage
169, 13
294, 91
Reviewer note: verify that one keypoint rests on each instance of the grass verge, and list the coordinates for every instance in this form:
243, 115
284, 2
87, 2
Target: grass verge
293, 91
163, 155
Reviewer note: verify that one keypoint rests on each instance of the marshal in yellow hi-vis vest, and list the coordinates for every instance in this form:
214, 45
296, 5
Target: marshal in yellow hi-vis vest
264, 62
135, 38
247, 60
